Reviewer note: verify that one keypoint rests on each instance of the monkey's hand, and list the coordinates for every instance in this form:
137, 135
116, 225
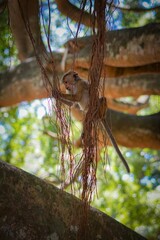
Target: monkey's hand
59, 96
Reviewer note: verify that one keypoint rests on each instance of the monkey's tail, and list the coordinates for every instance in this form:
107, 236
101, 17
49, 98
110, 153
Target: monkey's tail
112, 139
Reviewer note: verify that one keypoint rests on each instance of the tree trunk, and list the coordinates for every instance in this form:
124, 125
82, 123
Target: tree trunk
33, 209
24, 17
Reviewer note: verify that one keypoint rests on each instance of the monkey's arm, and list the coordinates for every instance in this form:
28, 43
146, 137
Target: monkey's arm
68, 103
70, 97
63, 100
113, 141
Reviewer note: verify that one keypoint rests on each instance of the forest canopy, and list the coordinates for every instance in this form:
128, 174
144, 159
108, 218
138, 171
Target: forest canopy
44, 39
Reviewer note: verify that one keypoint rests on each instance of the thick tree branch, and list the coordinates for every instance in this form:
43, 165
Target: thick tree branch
112, 72
124, 48
136, 85
23, 83
127, 107
25, 13
136, 131
32, 209
130, 130
73, 12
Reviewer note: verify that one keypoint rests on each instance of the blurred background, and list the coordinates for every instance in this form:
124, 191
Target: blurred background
26, 140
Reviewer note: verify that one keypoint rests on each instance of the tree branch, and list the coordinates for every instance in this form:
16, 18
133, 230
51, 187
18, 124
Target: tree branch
130, 130
28, 15
136, 85
115, 72
32, 209
135, 131
124, 48
127, 107
73, 12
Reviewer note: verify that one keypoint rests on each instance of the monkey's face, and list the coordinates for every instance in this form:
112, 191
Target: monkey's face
70, 81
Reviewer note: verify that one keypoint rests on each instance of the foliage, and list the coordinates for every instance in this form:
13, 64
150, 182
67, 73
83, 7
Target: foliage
23, 142
129, 198
62, 28
135, 19
8, 52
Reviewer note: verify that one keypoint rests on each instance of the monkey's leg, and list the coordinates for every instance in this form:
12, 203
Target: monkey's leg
112, 139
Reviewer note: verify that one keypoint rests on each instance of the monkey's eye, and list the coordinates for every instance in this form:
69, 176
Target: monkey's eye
75, 75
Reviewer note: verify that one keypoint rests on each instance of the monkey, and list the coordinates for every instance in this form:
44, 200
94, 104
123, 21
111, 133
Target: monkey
78, 93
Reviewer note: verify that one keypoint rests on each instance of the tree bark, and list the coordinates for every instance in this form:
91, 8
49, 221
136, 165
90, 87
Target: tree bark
135, 131
110, 71
24, 17
74, 13
33, 209
124, 48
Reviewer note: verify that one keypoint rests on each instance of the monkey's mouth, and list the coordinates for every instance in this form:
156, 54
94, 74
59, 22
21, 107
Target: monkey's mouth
70, 88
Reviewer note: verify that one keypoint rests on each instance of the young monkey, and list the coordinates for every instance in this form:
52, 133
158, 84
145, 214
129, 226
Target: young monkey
78, 92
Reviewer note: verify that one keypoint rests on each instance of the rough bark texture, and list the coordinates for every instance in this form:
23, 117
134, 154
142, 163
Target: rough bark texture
124, 48
120, 71
25, 13
136, 131
32, 209
23, 83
